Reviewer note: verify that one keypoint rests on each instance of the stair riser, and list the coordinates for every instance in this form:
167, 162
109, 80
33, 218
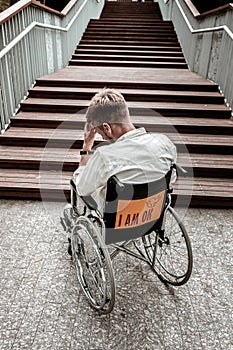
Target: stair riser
35, 194
129, 25
59, 195
128, 85
39, 165
146, 55
128, 64
202, 201
137, 38
120, 48
165, 112
129, 97
124, 32
128, 59
76, 144
72, 166
187, 129
132, 43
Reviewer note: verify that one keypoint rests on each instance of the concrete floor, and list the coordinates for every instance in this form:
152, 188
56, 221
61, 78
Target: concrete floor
43, 307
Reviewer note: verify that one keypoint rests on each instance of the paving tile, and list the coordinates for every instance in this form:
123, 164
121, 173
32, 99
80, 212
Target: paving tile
43, 307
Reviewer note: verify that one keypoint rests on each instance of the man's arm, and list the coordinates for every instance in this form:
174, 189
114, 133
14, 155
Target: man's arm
89, 137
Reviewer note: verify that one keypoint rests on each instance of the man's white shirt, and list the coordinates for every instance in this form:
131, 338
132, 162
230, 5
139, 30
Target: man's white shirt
135, 157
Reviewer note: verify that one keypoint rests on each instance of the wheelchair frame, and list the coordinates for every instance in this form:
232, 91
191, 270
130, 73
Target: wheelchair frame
93, 259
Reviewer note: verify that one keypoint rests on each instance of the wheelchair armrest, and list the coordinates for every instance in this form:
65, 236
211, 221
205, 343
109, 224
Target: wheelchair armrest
118, 183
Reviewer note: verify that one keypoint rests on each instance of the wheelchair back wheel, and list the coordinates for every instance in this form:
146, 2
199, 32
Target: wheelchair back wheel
169, 253
93, 264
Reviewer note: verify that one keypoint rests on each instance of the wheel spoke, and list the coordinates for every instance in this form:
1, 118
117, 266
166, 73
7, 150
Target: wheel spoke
93, 265
173, 262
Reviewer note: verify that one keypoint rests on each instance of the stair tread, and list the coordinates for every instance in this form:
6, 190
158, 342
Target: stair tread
126, 91
130, 47
38, 154
127, 74
12, 179
122, 42
58, 155
141, 120
123, 57
128, 63
142, 53
73, 134
131, 104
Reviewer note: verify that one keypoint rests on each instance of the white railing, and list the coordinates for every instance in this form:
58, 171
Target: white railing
206, 41
35, 41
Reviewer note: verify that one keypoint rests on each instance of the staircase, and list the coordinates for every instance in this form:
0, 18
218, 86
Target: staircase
131, 49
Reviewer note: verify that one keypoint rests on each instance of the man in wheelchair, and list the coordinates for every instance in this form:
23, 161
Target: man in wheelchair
133, 154
132, 169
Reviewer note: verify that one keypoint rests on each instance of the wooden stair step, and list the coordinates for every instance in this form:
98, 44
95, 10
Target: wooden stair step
202, 165
115, 23
123, 63
68, 160
206, 192
131, 36
132, 20
29, 184
61, 137
189, 86
126, 30
165, 109
102, 56
151, 121
20, 183
75, 77
130, 77
24, 157
132, 42
120, 47
99, 50
162, 26
129, 94
41, 137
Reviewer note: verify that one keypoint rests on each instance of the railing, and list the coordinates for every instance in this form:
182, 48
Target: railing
34, 41
206, 40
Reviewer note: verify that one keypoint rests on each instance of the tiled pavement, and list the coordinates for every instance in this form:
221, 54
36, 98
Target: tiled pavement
42, 306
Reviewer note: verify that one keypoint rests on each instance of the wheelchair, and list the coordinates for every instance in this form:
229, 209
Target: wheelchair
138, 220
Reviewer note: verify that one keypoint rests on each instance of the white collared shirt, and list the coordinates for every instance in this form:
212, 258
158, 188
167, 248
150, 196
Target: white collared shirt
136, 157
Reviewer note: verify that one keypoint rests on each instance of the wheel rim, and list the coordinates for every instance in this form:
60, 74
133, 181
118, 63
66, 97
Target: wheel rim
173, 258
93, 266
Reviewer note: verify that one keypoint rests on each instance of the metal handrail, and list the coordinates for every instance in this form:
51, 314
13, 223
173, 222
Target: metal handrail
17, 39
203, 30
22, 61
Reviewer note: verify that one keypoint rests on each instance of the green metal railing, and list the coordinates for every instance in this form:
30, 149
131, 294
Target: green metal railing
35, 42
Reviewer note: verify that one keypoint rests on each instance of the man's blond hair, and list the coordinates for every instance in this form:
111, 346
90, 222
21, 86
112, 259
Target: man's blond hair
108, 106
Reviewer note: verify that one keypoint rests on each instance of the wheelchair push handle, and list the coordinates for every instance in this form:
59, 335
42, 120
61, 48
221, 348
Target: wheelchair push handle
118, 183
180, 171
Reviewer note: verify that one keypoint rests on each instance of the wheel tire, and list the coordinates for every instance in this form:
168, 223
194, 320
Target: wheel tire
93, 265
172, 253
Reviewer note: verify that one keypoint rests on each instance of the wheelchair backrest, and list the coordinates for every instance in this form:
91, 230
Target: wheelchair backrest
132, 210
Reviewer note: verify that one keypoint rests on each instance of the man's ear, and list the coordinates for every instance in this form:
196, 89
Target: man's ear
107, 128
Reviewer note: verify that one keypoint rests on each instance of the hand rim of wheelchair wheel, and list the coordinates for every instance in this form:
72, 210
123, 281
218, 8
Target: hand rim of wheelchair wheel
161, 267
97, 271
